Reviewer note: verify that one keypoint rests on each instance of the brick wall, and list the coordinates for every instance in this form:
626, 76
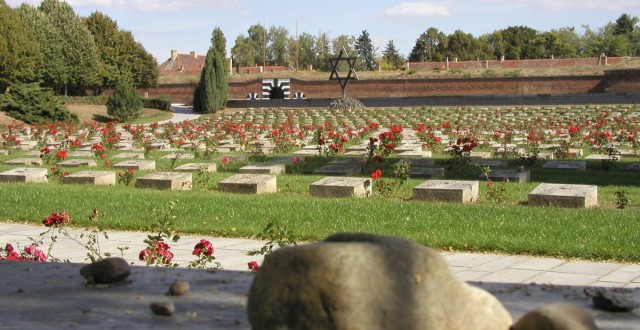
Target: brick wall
515, 64
615, 81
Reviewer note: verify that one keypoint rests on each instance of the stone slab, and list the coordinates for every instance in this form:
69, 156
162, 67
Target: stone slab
634, 167
194, 167
78, 163
306, 152
80, 153
341, 187
263, 169
480, 154
107, 178
166, 181
416, 154
419, 162
179, 156
602, 157
564, 195
426, 172
509, 176
447, 191
22, 174
249, 184
4, 152
339, 169
134, 155
565, 165
137, 164
24, 161
489, 162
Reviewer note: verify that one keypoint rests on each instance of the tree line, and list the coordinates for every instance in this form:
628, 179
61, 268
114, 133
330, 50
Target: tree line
53, 46
275, 46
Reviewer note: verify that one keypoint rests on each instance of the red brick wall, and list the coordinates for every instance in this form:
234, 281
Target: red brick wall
616, 81
514, 64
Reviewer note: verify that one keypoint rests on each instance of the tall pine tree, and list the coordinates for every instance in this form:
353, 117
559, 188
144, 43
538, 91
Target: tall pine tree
366, 51
212, 90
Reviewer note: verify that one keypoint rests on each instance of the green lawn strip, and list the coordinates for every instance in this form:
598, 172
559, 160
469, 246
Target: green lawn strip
602, 233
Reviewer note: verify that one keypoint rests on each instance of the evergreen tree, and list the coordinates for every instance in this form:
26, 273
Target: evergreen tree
33, 104
219, 42
124, 104
21, 60
212, 90
366, 51
391, 56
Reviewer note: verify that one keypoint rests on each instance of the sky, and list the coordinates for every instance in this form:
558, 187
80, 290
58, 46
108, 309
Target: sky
186, 25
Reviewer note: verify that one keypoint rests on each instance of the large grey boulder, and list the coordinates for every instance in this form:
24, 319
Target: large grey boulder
364, 281
557, 316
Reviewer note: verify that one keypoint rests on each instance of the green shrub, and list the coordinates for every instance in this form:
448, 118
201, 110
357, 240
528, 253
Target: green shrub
160, 103
124, 104
33, 104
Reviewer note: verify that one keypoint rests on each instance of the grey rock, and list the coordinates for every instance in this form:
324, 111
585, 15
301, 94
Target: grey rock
609, 300
106, 271
164, 308
364, 281
558, 316
179, 288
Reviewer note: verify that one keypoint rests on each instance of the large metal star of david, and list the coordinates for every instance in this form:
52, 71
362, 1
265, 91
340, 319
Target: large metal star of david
342, 56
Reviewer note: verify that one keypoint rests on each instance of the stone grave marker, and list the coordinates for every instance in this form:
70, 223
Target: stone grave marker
565, 165
107, 178
564, 195
516, 176
416, 154
78, 163
194, 167
489, 162
135, 155
341, 187
178, 156
80, 153
166, 180
356, 153
263, 169
634, 167
4, 152
419, 162
24, 161
137, 164
426, 172
480, 154
286, 160
249, 184
228, 148
23, 174
235, 158
26, 145
358, 147
339, 169
307, 152
602, 157
447, 191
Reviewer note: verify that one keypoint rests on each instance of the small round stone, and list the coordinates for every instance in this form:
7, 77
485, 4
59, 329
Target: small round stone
179, 288
164, 308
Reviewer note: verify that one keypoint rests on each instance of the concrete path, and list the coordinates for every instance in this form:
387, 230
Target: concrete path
474, 267
180, 114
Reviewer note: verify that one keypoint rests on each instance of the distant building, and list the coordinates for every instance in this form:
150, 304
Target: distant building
193, 63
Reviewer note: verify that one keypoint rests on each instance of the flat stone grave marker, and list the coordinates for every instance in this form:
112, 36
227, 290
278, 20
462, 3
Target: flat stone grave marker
341, 187
602, 157
307, 152
132, 149
419, 162
78, 163
228, 148
32, 153
339, 169
564, 195
489, 162
263, 169
286, 160
249, 184
356, 153
426, 172
24, 174
545, 155
359, 147
627, 152
137, 164
480, 154
634, 167
4, 152
416, 154
80, 153
311, 147
135, 155
107, 178
509, 175
194, 167
447, 191
26, 145
345, 161
178, 156
166, 180
235, 158
24, 161
565, 165
158, 144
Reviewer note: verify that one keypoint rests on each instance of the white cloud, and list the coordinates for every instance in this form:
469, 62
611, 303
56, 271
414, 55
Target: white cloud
417, 9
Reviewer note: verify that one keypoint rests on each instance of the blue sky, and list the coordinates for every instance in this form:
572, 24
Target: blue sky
186, 25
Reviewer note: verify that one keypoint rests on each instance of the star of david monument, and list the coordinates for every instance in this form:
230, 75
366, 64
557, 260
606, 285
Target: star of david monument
335, 75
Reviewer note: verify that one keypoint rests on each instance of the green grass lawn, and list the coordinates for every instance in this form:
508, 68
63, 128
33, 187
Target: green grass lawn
601, 233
